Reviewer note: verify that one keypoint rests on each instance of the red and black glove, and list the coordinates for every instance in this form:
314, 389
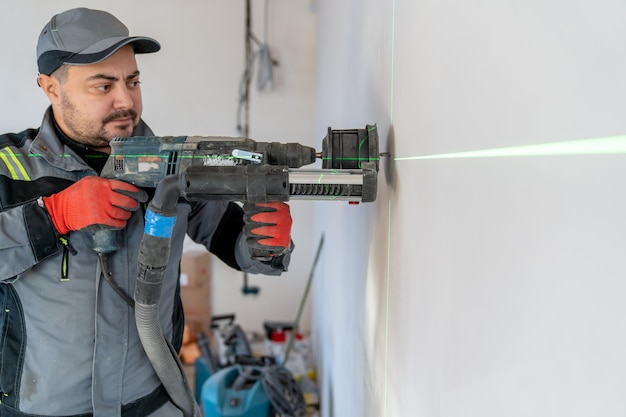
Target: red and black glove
93, 201
267, 227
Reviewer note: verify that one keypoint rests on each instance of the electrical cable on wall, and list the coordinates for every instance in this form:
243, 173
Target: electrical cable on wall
265, 75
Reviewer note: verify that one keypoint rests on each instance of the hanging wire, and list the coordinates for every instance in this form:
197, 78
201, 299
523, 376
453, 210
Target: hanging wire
265, 76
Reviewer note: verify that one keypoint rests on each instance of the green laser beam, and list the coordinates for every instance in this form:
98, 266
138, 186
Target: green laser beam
596, 146
361, 145
179, 156
363, 141
387, 309
161, 156
346, 158
40, 155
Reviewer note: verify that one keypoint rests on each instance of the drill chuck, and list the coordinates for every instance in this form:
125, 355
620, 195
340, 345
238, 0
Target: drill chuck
292, 155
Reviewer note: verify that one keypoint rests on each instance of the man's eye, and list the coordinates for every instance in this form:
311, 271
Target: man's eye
103, 87
134, 84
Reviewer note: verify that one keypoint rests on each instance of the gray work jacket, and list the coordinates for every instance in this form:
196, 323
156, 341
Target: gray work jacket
68, 343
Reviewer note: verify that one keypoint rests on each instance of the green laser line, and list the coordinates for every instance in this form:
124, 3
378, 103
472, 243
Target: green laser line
39, 155
208, 156
387, 309
127, 155
160, 156
596, 146
361, 145
319, 182
346, 158
363, 141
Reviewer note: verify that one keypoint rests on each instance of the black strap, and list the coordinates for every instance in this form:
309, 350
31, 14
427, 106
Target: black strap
146, 405
139, 408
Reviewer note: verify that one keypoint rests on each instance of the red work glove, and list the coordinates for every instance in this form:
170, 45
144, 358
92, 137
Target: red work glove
93, 201
267, 228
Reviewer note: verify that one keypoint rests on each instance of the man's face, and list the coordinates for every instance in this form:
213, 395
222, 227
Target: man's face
101, 101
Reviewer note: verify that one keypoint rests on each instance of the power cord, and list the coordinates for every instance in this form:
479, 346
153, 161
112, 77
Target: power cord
108, 276
283, 391
281, 388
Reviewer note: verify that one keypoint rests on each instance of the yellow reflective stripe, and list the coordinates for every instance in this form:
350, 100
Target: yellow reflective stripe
9, 166
64, 275
19, 164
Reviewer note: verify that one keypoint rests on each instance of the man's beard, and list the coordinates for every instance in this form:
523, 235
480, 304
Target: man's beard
86, 133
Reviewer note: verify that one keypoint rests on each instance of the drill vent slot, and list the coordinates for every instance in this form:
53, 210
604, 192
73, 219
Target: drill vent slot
172, 159
336, 190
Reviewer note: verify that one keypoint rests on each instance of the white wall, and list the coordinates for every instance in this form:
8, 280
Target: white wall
191, 87
475, 287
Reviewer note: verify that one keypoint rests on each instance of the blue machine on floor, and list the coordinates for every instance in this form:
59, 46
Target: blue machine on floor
222, 388
227, 393
231, 382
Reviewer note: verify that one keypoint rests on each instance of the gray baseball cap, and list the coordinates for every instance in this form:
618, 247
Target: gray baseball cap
84, 36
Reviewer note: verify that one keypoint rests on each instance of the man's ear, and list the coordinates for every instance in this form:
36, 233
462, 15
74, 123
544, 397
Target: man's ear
50, 86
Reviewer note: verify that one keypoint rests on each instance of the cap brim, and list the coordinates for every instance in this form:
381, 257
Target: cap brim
105, 48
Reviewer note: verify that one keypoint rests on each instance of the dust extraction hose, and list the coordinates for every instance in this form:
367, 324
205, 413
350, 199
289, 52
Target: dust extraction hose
154, 252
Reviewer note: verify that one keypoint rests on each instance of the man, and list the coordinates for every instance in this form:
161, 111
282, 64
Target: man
69, 345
